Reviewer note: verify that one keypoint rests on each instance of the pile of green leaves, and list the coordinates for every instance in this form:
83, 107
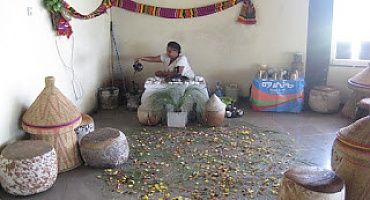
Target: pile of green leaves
227, 100
201, 163
53, 6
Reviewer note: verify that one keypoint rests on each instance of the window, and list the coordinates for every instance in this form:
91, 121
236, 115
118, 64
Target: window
351, 33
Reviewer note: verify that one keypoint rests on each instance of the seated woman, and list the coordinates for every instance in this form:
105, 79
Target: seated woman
174, 62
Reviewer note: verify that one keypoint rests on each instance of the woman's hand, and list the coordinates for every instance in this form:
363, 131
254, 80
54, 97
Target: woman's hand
152, 59
137, 60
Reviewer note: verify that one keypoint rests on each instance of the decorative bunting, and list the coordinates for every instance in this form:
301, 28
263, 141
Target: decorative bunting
103, 7
246, 16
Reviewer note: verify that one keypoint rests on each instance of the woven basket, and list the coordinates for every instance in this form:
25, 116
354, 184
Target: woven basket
324, 99
351, 160
53, 118
353, 166
361, 81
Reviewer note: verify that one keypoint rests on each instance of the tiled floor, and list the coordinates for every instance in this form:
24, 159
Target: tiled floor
313, 133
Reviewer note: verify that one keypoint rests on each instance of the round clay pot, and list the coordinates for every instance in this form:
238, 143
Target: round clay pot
215, 118
149, 117
215, 111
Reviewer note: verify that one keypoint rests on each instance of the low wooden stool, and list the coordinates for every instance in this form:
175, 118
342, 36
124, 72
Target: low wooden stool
28, 167
105, 148
363, 108
311, 183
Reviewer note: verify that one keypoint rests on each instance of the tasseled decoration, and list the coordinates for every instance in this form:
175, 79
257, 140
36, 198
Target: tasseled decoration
248, 13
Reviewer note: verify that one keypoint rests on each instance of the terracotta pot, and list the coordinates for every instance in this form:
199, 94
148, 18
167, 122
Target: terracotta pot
215, 111
215, 118
149, 117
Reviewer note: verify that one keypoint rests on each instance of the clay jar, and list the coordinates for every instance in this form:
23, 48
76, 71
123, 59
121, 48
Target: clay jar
148, 116
215, 111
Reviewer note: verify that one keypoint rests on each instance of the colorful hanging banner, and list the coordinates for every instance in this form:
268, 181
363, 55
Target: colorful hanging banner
61, 11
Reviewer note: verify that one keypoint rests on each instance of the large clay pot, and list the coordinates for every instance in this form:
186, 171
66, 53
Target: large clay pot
215, 111
149, 117
351, 158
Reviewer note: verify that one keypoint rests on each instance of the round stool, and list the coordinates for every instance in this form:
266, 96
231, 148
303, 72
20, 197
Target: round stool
28, 167
311, 183
87, 126
104, 148
324, 99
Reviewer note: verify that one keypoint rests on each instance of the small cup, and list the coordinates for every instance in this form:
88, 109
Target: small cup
229, 114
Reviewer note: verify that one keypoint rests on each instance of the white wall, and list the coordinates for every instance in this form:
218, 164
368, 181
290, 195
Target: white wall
28, 54
217, 46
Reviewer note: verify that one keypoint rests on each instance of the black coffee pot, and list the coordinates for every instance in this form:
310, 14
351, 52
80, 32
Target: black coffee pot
138, 67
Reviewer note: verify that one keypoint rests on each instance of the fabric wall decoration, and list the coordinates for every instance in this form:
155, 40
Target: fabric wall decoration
62, 12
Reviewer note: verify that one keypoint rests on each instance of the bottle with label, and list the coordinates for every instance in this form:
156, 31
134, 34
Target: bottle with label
297, 66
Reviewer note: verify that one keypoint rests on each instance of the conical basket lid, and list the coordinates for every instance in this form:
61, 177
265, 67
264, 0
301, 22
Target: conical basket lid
51, 109
215, 104
356, 135
361, 81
